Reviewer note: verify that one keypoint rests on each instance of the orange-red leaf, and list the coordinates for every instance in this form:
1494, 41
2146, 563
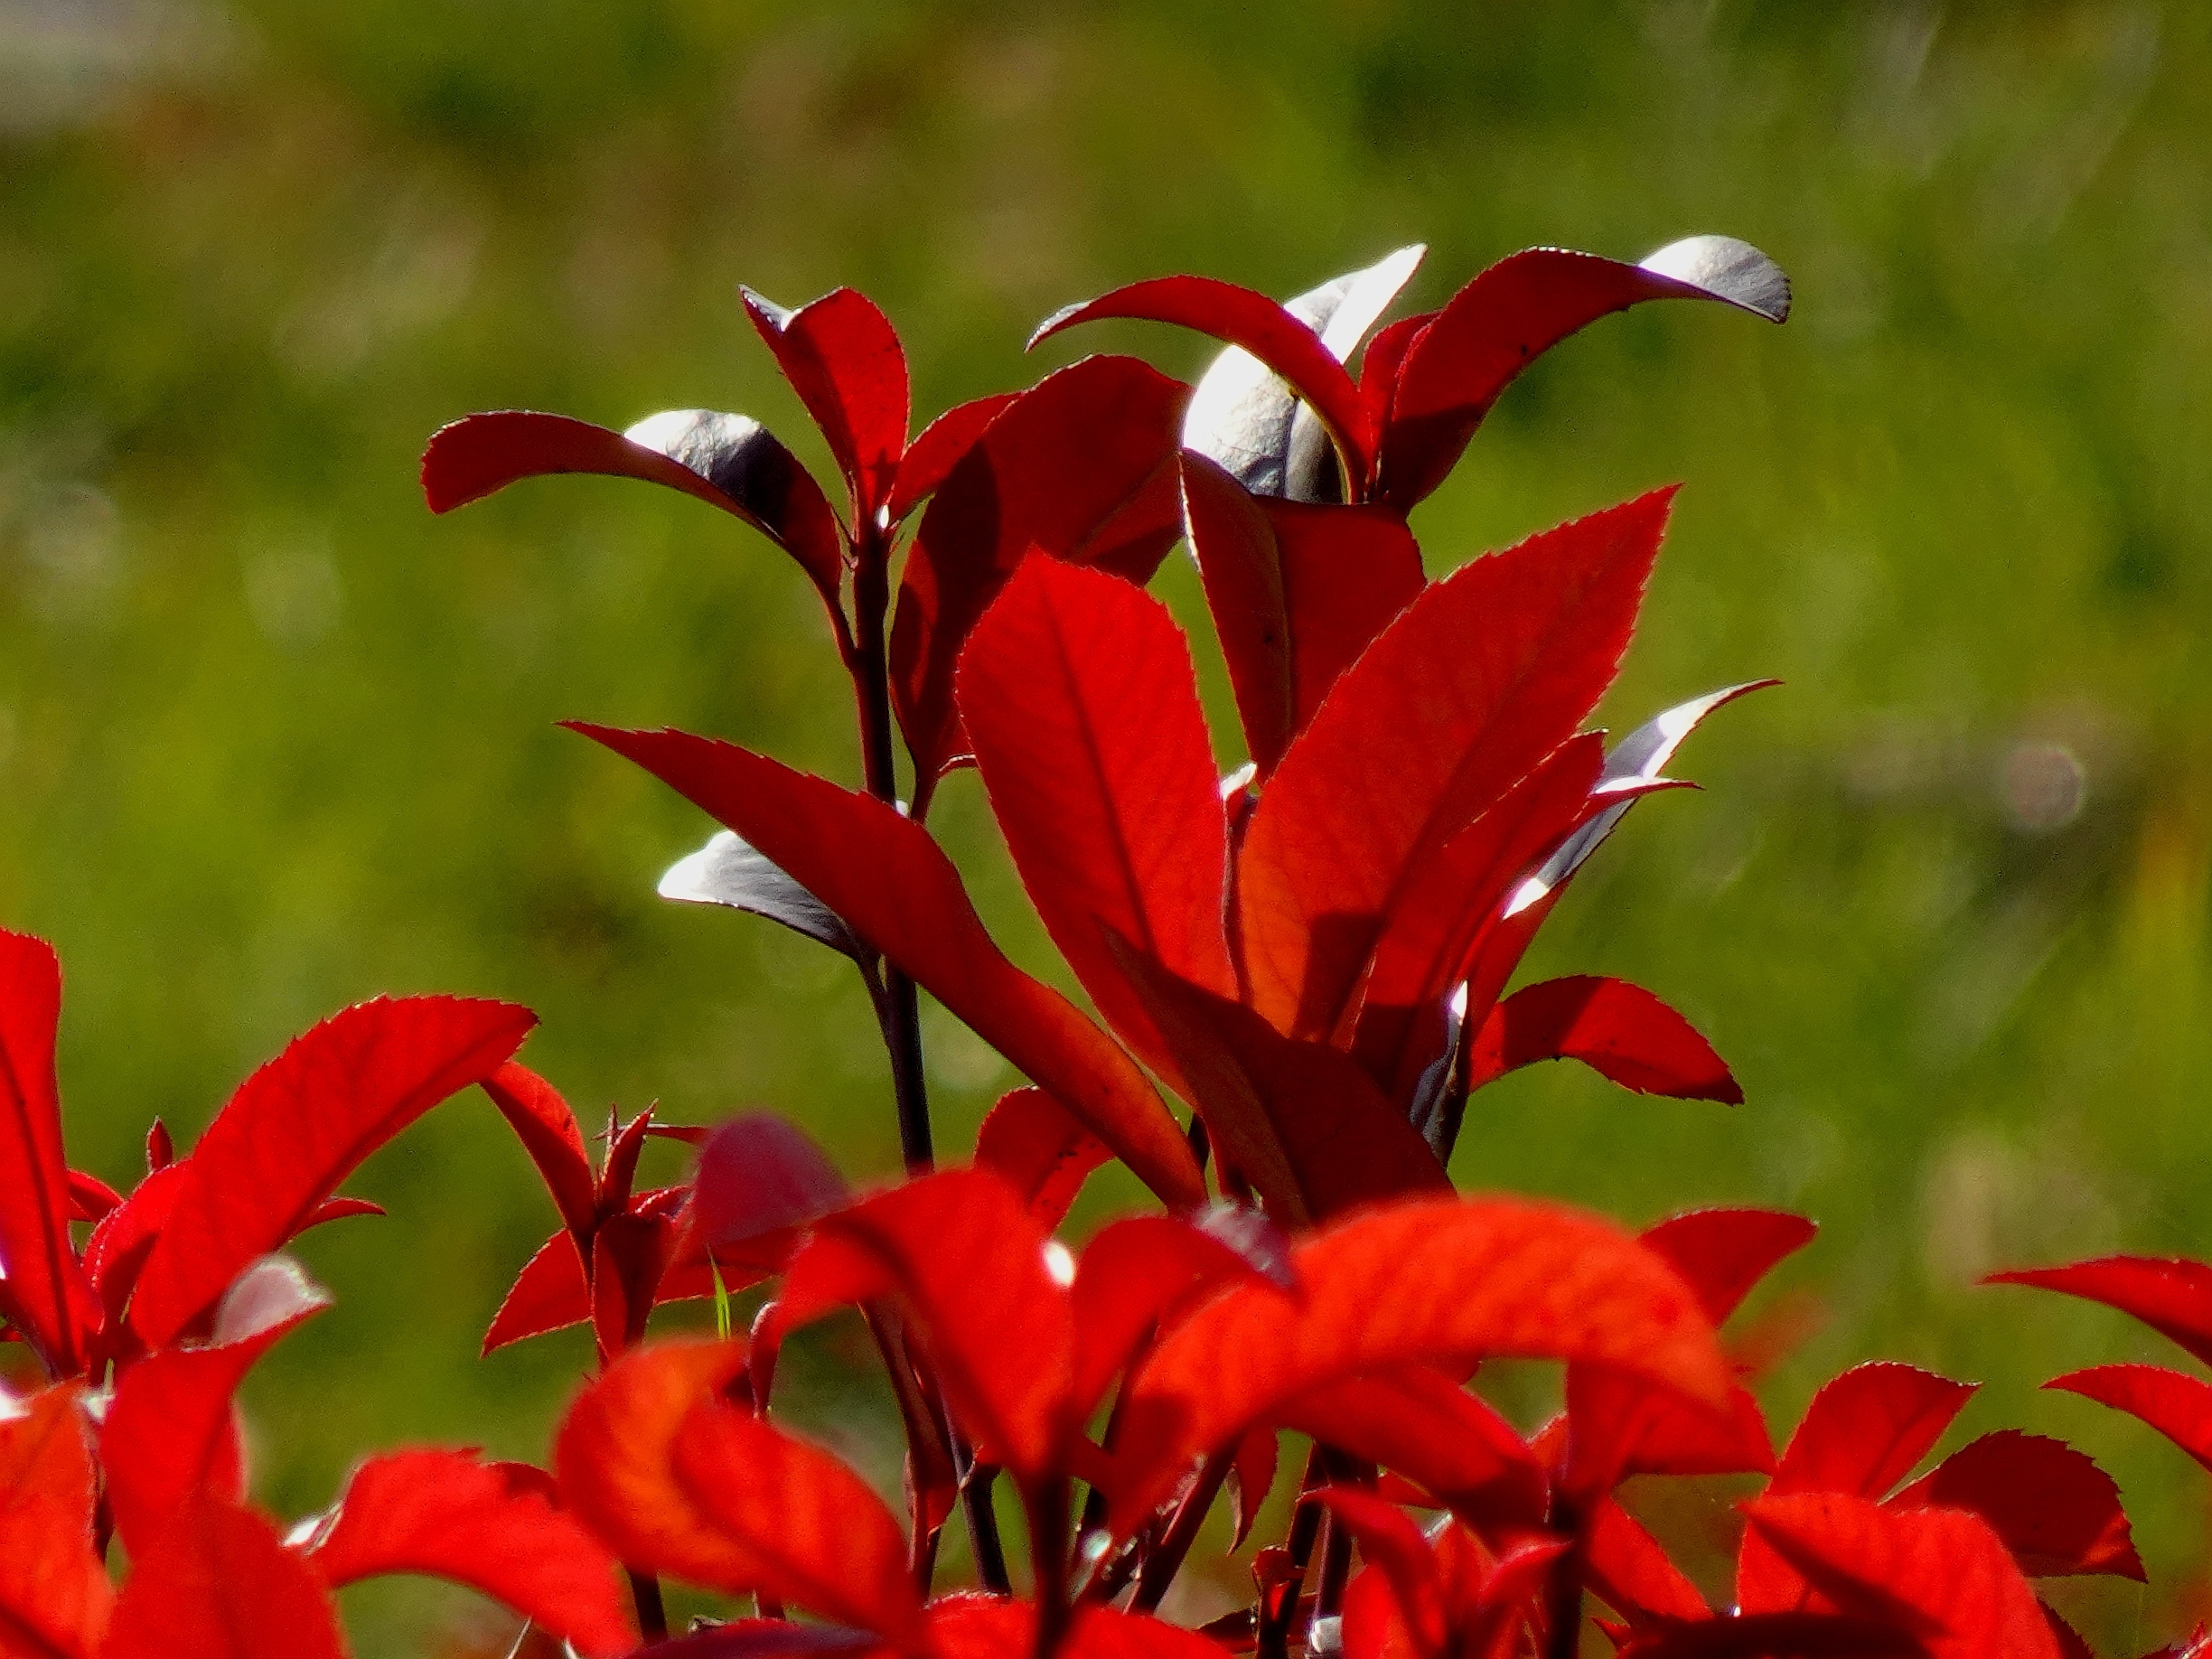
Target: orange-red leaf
298, 1127
490, 1526
886, 875
1040, 1150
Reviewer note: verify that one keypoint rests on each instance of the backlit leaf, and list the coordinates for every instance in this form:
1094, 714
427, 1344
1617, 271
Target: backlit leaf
2172, 1295
43, 1294
1039, 1150
2055, 1509
54, 1594
1620, 1031
2179, 1407
843, 358
220, 1584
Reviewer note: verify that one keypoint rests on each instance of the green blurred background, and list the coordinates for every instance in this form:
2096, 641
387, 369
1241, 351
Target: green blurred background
273, 740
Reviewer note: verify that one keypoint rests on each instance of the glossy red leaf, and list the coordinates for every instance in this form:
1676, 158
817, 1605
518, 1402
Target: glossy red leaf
490, 1526
1476, 680
298, 1127
961, 1251
808, 1531
1426, 943
43, 1294
625, 1144
1297, 592
169, 1435
1630, 1572
1384, 360
844, 360
630, 1254
892, 882
1620, 1428
117, 1250
2179, 1407
759, 1180
1620, 1031
54, 1594
1080, 700
726, 460
1255, 324
220, 1585
942, 444
1039, 1148
549, 1294
1723, 1253
2173, 1296
1940, 1574
1299, 1121
548, 1129
1245, 418
1082, 467
2055, 1509
1518, 309
1431, 1281
614, 1456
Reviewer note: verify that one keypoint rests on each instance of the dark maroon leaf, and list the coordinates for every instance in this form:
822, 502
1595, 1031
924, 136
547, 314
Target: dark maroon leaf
759, 1180
726, 460
843, 358
1517, 310
1247, 421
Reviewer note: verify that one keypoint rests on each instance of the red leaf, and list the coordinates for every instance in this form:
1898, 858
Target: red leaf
43, 1294
806, 1528
1621, 1427
548, 1130
963, 1254
89, 1196
1865, 1429
1299, 1121
726, 460
630, 1254
2055, 1509
1630, 1573
490, 1526
298, 1127
1297, 592
1133, 1276
1517, 310
53, 1590
220, 1585
1242, 416
1251, 1476
1388, 1540
115, 1251
1723, 1253
1620, 1031
1040, 1150
340, 1209
1425, 944
940, 448
1258, 326
1081, 467
1943, 1575
550, 1294
760, 1180
614, 1458
1078, 695
2179, 1407
843, 358
885, 874
1775, 1635
1476, 682
2173, 1296
1429, 1430
1433, 1281
170, 1436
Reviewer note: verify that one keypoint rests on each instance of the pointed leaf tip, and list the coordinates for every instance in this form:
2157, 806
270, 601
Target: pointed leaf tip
1728, 269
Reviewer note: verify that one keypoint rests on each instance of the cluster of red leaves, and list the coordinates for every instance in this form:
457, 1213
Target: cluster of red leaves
1310, 957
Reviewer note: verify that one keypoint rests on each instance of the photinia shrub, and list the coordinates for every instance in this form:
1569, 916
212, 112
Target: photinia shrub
1298, 973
